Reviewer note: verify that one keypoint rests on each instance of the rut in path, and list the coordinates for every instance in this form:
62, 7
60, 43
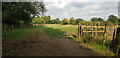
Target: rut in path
45, 45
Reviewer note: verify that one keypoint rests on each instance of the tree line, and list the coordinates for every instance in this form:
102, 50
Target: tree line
17, 13
28, 13
112, 20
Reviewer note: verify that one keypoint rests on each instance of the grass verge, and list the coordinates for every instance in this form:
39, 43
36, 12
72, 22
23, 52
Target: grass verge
20, 33
54, 32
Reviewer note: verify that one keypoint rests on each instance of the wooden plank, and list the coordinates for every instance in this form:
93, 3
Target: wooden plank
93, 31
96, 32
95, 26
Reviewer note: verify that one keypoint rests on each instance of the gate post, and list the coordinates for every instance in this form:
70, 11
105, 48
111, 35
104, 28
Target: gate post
105, 31
79, 31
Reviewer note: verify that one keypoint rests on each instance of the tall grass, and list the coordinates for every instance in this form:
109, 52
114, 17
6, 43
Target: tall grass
20, 33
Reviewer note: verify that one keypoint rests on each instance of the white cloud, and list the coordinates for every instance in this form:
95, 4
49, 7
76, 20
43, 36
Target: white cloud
93, 7
84, 10
82, 0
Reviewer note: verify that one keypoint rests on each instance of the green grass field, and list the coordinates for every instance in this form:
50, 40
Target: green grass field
54, 32
68, 29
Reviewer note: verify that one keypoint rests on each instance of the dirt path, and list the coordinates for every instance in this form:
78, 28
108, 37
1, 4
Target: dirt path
45, 45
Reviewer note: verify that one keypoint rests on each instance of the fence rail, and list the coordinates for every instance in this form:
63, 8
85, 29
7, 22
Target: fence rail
106, 30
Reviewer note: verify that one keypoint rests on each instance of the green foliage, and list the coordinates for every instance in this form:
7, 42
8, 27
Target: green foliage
65, 21
41, 9
79, 20
72, 21
99, 41
75, 36
13, 12
106, 22
53, 32
119, 21
86, 23
100, 19
47, 19
38, 20
87, 38
95, 19
51, 22
57, 21
113, 19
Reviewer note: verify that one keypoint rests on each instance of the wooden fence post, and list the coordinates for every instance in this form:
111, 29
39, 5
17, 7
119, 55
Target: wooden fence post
95, 32
92, 31
78, 31
86, 28
105, 32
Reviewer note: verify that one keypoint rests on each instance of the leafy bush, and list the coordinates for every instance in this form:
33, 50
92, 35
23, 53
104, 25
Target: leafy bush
79, 20
65, 21
39, 20
106, 22
86, 23
99, 41
87, 38
72, 21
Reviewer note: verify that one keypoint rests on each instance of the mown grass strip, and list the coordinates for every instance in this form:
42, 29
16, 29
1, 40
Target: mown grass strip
53, 32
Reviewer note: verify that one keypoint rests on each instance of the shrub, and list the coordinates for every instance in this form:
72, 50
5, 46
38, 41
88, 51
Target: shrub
39, 20
86, 23
87, 38
65, 21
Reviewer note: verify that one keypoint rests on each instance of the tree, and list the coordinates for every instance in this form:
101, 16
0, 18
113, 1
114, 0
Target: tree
113, 19
47, 19
100, 19
14, 12
38, 20
119, 21
94, 19
106, 22
86, 23
51, 22
72, 20
40, 6
79, 20
65, 21
57, 21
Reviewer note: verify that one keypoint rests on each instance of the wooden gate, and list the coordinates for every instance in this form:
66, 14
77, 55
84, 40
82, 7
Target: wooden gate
94, 30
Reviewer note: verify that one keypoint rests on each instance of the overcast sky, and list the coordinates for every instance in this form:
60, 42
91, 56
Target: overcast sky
85, 9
